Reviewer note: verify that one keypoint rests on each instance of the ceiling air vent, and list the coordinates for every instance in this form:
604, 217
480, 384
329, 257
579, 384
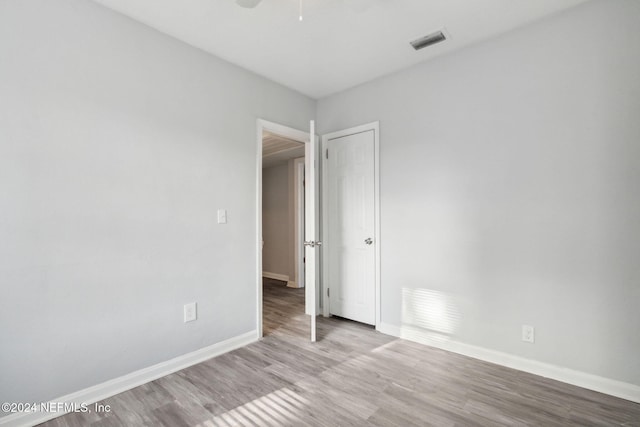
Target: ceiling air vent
428, 40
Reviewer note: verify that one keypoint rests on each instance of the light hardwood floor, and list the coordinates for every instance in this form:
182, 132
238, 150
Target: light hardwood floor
354, 376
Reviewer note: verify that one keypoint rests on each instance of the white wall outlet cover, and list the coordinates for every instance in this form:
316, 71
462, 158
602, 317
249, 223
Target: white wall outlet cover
222, 216
528, 333
190, 312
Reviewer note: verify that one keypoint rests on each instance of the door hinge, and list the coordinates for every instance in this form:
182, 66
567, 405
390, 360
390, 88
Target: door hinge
328, 293
326, 153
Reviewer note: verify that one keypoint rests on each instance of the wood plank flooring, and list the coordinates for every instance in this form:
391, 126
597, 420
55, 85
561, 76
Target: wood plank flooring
354, 376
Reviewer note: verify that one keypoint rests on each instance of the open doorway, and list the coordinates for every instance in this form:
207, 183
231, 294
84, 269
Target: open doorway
282, 209
282, 204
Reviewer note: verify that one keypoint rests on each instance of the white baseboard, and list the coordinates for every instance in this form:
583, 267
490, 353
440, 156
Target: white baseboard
134, 379
276, 276
292, 284
581, 379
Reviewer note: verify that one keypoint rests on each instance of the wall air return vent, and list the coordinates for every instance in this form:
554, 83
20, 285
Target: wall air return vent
428, 40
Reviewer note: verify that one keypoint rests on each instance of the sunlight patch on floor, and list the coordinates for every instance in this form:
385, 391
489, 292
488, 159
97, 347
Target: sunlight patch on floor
282, 407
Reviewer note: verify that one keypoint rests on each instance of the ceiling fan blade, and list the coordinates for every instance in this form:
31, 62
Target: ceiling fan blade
249, 4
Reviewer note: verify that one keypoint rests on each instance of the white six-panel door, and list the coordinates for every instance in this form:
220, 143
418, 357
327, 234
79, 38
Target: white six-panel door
351, 226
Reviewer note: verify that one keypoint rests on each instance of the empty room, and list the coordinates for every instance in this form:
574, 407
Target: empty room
319, 212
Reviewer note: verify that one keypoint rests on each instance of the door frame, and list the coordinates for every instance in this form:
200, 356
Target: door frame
375, 127
288, 132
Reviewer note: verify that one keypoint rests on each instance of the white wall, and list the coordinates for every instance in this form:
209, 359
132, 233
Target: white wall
509, 190
277, 226
117, 146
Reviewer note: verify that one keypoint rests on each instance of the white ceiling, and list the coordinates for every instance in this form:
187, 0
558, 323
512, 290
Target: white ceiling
339, 43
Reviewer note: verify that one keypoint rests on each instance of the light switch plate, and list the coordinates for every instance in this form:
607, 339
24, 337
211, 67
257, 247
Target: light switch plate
190, 312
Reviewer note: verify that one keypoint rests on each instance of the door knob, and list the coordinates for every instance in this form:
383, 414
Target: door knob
368, 240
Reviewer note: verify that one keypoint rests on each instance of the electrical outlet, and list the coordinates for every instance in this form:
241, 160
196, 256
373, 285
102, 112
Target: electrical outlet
528, 333
222, 216
190, 312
